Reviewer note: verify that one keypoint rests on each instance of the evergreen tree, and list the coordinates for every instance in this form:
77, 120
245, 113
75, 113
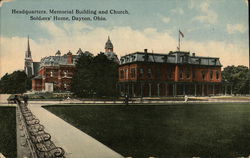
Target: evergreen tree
82, 82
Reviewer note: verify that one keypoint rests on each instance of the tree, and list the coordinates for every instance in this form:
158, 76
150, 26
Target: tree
95, 76
16, 82
105, 76
82, 82
238, 77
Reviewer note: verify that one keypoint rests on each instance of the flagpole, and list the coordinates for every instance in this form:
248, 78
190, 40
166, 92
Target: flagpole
179, 47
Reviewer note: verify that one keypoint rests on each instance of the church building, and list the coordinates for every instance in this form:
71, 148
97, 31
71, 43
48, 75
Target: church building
30, 67
54, 73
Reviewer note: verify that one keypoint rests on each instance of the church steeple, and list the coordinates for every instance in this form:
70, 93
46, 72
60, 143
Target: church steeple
109, 46
28, 53
28, 62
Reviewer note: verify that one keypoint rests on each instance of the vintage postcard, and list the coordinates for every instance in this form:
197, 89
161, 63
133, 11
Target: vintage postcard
137, 78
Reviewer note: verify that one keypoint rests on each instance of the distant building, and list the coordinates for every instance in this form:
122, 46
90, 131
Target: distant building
54, 73
31, 68
172, 74
109, 51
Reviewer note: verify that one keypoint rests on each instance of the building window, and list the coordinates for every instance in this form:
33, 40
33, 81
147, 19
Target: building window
126, 73
133, 73
51, 73
217, 75
149, 73
65, 85
181, 73
141, 72
188, 73
158, 73
203, 73
121, 74
169, 73
211, 75
194, 75
65, 74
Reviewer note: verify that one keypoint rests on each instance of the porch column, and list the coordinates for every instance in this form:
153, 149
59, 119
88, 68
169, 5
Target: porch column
202, 89
195, 89
120, 89
213, 90
166, 89
149, 89
174, 89
184, 89
128, 90
141, 90
158, 89
133, 90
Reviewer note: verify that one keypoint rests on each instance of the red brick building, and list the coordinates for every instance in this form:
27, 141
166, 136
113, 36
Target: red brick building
172, 74
55, 73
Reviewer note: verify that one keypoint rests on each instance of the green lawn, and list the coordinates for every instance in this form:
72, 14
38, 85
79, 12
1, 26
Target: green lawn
8, 131
171, 131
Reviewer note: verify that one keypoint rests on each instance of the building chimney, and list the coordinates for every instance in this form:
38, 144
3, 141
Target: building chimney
145, 50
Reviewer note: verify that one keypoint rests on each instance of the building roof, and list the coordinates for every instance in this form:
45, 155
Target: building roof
57, 60
172, 57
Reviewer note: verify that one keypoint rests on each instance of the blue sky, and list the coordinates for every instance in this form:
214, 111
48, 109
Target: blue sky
210, 27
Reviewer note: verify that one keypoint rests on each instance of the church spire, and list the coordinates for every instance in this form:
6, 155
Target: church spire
28, 49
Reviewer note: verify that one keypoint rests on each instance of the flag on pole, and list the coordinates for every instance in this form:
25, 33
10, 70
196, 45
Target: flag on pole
182, 35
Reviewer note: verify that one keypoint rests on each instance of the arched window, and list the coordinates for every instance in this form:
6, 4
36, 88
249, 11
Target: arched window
141, 72
217, 75
193, 74
149, 73
133, 73
188, 73
211, 75
121, 74
181, 73
203, 74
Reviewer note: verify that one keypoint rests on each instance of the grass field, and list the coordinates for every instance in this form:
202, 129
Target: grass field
8, 131
171, 131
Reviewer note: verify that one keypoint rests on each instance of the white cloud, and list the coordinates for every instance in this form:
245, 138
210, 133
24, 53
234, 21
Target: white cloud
177, 11
207, 14
165, 19
233, 28
246, 1
4, 1
125, 40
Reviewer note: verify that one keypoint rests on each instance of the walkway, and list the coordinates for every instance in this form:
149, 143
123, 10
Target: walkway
76, 143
